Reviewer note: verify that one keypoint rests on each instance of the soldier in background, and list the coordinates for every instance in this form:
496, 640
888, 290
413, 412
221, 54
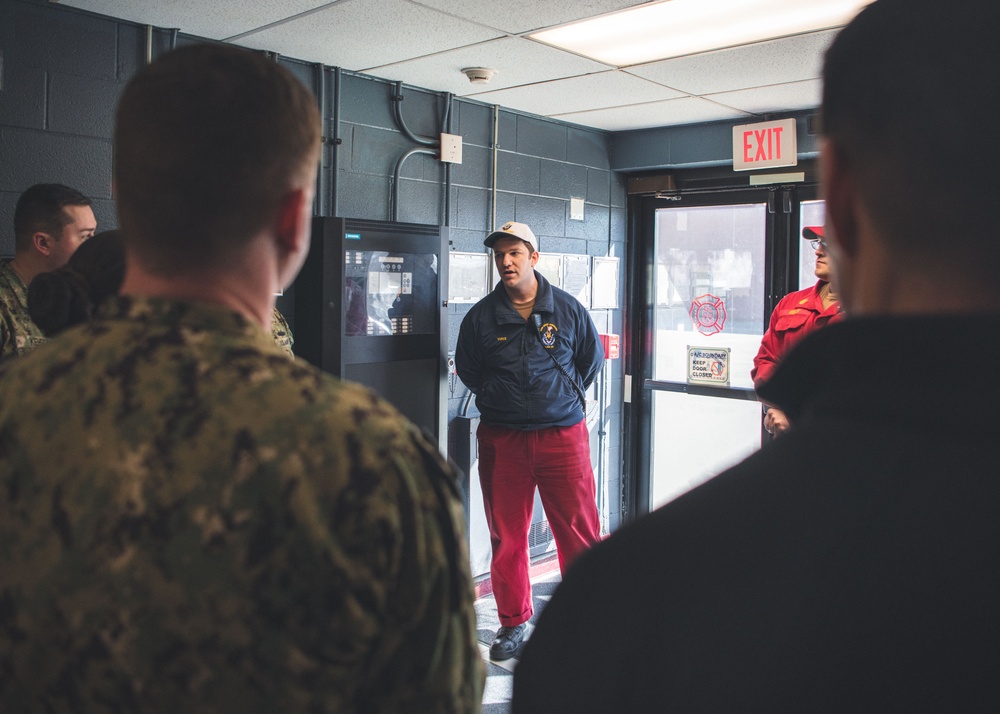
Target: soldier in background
50, 223
192, 522
59, 299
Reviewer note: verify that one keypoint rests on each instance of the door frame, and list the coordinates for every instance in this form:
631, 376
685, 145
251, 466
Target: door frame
782, 250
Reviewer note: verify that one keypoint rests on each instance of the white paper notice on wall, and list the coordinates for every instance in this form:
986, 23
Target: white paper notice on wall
765, 145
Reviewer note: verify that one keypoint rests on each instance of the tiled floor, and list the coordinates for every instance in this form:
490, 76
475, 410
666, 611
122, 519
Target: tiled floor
500, 675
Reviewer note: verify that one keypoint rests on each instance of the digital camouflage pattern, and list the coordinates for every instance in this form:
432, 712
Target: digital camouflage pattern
281, 332
192, 522
18, 334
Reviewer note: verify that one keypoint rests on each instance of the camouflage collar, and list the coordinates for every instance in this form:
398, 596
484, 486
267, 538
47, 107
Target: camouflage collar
196, 315
14, 282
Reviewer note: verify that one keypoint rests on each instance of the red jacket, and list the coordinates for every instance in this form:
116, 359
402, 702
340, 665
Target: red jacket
796, 315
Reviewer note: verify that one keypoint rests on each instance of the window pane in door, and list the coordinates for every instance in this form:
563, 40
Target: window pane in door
709, 287
811, 213
695, 438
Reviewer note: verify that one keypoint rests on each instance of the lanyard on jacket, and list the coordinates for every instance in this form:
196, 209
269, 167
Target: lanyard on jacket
562, 370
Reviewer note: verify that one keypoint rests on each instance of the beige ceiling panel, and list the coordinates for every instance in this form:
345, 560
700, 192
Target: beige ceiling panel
789, 59
777, 98
674, 112
214, 19
516, 60
521, 16
575, 94
359, 34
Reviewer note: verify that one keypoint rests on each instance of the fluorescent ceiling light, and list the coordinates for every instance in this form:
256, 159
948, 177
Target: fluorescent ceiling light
682, 27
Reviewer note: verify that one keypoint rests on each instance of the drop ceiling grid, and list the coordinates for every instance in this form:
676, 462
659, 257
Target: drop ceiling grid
360, 34
213, 19
521, 16
788, 59
673, 112
518, 61
588, 92
778, 97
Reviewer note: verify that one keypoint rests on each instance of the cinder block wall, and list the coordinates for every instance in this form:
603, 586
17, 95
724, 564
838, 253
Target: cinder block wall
62, 71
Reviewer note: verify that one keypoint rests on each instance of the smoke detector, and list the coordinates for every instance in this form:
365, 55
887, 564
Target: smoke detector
479, 75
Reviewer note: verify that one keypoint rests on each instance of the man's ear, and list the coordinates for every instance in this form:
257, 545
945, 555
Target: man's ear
292, 222
42, 242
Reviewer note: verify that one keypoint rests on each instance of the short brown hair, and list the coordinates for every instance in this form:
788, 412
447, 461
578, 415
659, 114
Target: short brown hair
208, 139
905, 93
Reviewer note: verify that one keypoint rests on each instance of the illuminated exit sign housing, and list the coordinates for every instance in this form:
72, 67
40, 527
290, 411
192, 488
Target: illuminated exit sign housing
765, 145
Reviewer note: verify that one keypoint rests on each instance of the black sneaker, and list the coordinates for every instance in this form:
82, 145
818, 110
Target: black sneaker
506, 642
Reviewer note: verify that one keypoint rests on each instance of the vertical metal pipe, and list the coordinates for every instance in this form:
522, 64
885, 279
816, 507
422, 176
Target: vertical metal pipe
496, 141
320, 203
149, 44
446, 128
335, 168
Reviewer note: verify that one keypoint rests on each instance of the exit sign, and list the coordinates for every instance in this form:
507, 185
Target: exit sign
764, 145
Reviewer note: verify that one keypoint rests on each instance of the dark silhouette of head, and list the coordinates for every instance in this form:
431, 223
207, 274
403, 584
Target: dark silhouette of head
70, 295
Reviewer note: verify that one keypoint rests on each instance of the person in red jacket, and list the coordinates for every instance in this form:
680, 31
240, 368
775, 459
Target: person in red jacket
796, 315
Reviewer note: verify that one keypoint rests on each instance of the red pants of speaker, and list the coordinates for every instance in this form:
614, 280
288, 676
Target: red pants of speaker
512, 463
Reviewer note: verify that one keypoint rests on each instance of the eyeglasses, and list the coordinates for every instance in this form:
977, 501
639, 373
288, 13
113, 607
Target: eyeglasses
817, 243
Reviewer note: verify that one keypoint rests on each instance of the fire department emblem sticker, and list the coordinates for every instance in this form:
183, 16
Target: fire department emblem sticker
708, 313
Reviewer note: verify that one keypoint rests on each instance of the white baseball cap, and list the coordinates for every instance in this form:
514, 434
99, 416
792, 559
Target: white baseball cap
512, 229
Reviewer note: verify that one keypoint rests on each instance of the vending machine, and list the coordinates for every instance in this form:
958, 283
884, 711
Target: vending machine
370, 307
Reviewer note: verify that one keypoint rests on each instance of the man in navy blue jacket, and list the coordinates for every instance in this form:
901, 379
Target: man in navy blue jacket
529, 351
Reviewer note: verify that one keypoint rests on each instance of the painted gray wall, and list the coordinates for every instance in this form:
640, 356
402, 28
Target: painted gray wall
696, 145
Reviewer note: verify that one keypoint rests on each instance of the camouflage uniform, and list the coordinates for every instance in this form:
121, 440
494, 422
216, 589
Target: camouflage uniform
281, 332
18, 334
191, 522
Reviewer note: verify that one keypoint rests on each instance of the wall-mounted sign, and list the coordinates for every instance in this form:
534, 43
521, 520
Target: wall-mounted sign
576, 277
551, 266
605, 288
708, 365
468, 277
763, 145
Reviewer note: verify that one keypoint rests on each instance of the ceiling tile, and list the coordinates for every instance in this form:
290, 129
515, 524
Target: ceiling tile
776, 98
214, 19
518, 16
517, 61
360, 34
789, 59
674, 112
591, 91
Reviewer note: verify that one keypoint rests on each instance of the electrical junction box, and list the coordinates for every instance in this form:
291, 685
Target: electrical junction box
451, 148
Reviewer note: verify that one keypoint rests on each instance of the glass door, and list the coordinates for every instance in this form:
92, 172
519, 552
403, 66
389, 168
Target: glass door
709, 287
811, 213
708, 269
